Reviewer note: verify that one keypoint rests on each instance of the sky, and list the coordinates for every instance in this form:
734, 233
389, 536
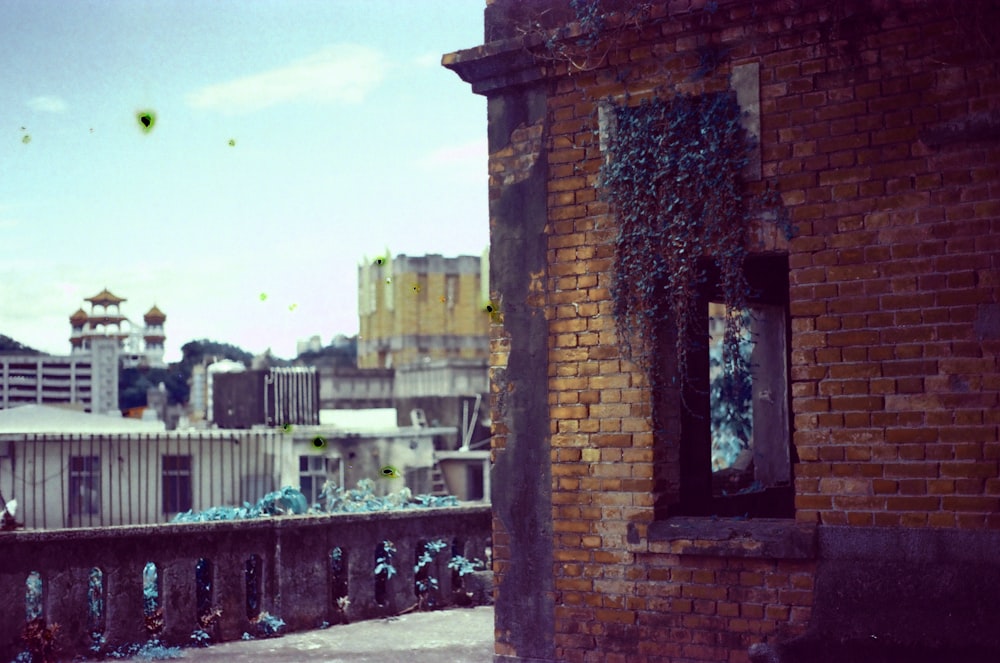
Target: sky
289, 141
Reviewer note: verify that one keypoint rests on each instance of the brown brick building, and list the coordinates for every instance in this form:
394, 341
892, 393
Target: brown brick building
877, 538
413, 308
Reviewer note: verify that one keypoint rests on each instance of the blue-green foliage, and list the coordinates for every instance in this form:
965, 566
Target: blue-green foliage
597, 31
269, 625
150, 588
431, 549
731, 398
33, 596
466, 566
675, 181
153, 650
95, 599
361, 499
288, 500
337, 560
383, 563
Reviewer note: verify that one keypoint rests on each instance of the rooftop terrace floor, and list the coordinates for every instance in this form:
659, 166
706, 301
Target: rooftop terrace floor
459, 635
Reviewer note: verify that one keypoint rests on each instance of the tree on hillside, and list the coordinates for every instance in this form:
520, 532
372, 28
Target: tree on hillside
194, 352
341, 355
9, 346
133, 382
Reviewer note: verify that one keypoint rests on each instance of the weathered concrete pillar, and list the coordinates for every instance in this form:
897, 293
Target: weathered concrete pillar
518, 118
178, 599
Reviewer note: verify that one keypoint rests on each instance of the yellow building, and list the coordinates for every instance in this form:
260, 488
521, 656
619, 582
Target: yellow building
417, 308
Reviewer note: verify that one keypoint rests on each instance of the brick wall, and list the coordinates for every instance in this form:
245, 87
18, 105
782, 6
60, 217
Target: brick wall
880, 127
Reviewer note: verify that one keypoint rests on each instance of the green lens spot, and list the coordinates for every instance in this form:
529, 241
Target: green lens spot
319, 442
147, 120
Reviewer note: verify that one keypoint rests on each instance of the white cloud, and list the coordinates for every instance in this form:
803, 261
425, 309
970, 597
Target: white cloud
340, 73
47, 104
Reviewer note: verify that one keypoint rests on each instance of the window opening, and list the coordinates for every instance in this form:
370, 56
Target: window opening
312, 476
176, 484
735, 446
85, 486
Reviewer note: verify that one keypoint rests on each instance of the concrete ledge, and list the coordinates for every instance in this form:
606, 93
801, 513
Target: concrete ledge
890, 595
768, 538
908, 545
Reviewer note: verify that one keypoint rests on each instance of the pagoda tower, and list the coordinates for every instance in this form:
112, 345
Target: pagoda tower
153, 336
78, 321
105, 319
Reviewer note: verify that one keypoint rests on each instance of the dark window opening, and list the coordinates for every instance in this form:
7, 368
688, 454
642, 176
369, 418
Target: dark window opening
312, 477
735, 450
177, 495
85, 485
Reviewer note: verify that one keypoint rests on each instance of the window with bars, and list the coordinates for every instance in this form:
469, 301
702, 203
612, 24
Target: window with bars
176, 481
312, 476
85, 485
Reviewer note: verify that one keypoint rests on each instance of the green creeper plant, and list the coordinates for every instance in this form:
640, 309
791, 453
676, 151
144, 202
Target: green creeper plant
674, 180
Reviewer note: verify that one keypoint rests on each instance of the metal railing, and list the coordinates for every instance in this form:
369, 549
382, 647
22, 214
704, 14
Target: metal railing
123, 479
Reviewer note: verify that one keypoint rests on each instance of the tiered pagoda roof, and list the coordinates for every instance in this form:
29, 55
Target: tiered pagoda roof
105, 298
154, 316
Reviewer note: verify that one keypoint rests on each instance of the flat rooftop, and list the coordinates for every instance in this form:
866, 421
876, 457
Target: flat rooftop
457, 635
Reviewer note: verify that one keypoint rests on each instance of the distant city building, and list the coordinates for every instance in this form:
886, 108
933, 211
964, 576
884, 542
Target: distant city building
422, 308
268, 397
87, 380
137, 345
351, 388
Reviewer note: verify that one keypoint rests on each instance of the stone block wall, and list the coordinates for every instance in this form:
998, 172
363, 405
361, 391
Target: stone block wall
295, 578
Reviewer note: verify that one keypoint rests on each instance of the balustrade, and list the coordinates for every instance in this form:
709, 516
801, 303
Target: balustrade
220, 577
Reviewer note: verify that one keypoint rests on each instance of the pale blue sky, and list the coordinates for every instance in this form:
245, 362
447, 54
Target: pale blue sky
349, 138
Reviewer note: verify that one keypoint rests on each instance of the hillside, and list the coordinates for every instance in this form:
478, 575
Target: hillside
9, 346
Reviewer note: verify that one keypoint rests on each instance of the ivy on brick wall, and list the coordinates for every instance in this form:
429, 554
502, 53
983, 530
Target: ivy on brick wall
674, 180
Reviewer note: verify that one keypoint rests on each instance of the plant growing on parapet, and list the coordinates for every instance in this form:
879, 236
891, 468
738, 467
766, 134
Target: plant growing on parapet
154, 621
207, 622
466, 566
152, 611
674, 178
40, 640
268, 625
596, 32
427, 583
383, 563
333, 499
153, 650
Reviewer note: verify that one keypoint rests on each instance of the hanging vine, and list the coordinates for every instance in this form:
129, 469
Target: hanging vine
674, 179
